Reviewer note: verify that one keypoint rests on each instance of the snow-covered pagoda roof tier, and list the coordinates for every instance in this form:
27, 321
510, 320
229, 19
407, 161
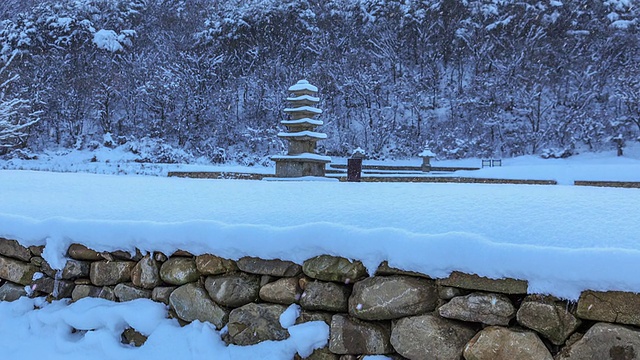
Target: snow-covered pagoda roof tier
303, 121
301, 159
303, 135
302, 112
303, 100
303, 87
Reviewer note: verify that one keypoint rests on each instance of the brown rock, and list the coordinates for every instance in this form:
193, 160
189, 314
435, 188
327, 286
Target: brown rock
333, 268
353, 336
74, 269
605, 341
36, 250
308, 316
133, 337
325, 296
279, 268
179, 271
58, 289
475, 282
214, 265
254, 323
498, 343
233, 290
385, 270
127, 256
283, 291
549, 317
392, 297
191, 302
448, 293
127, 292
319, 354
182, 253
82, 291
146, 273
81, 252
162, 293
16, 271
13, 249
11, 292
611, 306
430, 337
486, 308
104, 273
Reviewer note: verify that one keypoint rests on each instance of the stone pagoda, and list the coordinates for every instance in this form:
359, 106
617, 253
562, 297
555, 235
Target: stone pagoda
301, 159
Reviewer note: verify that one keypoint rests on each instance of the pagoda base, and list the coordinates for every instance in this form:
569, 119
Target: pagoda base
291, 168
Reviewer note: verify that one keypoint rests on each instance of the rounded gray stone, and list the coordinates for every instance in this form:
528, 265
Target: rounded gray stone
486, 308
179, 271
191, 302
430, 337
392, 297
233, 290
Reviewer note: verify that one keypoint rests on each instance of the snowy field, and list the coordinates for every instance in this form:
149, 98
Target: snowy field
562, 239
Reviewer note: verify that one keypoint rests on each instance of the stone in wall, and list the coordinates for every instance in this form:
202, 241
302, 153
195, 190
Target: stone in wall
105, 273
191, 302
384, 270
307, 316
36, 250
353, 336
486, 308
448, 292
282, 291
233, 290
179, 271
279, 268
16, 271
254, 323
126, 292
162, 293
325, 296
59, 289
13, 249
125, 255
146, 273
81, 252
334, 268
133, 337
392, 297
611, 306
83, 291
499, 343
214, 265
475, 282
549, 317
319, 354
74, 269
605, 341
430, 337
11, 292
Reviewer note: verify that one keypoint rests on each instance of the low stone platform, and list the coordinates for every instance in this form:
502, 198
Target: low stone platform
616, 184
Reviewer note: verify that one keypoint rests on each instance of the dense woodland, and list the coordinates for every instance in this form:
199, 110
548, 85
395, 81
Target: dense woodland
464, 77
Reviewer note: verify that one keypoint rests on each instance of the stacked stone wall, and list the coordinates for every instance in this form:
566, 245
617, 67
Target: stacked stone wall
401, 314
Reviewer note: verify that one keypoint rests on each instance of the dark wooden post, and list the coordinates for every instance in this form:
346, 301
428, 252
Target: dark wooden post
354, 166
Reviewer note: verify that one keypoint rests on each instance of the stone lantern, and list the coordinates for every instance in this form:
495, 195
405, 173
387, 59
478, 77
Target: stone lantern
301, 158
426, 156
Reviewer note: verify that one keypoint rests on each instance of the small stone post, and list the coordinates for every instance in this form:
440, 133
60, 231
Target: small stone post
426, 156
354, 165
301, 159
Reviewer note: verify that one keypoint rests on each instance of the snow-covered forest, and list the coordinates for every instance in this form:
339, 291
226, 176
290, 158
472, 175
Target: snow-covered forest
465, 77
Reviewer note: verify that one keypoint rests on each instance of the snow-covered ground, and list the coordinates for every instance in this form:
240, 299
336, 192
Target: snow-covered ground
562, 239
